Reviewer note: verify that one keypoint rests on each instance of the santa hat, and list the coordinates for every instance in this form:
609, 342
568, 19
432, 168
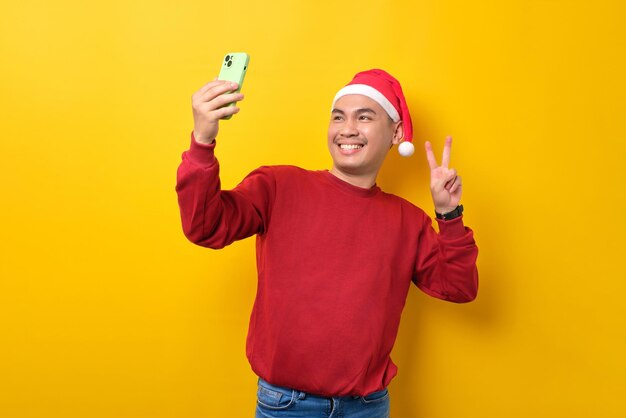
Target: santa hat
385, 90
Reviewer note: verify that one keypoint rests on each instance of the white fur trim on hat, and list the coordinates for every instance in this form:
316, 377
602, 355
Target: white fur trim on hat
373, 94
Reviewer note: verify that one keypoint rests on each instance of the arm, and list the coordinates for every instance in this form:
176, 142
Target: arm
446, 262
446, 266
212, 217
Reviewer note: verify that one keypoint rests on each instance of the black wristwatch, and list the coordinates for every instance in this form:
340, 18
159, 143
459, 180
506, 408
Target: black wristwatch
450, 215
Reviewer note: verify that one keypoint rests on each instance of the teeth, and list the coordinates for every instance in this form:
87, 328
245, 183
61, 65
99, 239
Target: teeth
350, 146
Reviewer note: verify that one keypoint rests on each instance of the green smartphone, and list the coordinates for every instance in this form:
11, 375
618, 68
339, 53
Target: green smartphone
234, 67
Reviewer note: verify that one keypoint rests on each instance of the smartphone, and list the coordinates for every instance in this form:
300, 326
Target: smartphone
234, 67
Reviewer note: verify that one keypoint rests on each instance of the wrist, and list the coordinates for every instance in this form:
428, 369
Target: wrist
446, 214
201, 140
445, 209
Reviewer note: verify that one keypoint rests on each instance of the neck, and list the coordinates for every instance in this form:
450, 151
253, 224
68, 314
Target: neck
365, 181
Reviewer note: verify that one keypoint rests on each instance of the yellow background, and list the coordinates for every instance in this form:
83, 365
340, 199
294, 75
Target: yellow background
107, 311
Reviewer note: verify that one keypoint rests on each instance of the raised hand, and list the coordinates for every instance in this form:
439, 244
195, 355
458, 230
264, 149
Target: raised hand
445, 184
208, 108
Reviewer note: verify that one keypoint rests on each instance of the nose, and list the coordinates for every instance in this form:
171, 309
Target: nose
349, 128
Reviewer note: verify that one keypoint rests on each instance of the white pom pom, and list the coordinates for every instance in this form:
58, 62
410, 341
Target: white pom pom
406, 149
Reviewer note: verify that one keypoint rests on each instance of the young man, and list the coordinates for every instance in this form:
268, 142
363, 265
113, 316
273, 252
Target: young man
335, 254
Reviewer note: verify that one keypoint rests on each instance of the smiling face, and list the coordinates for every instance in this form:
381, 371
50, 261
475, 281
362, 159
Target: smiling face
360, 134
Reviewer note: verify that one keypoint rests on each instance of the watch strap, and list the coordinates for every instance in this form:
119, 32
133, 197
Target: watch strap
458, 211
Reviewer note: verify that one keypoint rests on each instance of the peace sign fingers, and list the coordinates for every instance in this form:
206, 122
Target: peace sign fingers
430, 155
445, 184
445, 161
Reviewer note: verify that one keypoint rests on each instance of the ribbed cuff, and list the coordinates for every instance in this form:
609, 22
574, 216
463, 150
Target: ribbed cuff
201, 154
453, 228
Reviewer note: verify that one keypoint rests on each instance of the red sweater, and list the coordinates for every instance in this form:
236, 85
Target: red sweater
334, 262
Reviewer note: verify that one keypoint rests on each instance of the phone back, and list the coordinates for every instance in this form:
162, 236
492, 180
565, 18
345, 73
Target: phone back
234, 67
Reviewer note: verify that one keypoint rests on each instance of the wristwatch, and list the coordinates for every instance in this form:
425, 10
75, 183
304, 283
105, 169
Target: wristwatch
451, 215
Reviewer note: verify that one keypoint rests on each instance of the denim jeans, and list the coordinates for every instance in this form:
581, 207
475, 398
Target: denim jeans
279, 402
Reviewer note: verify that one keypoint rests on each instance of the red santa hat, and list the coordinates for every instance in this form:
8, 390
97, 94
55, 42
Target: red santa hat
385, 90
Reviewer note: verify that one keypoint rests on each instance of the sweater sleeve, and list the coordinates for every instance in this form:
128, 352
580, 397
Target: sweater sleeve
446, 262
215, 218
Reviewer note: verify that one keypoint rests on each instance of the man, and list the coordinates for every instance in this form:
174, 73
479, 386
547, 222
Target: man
335, 254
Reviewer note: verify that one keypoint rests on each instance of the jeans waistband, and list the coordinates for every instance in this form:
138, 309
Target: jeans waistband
302, 395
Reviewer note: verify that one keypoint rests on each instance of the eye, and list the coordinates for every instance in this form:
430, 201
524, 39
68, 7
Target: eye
364, 117
337, 117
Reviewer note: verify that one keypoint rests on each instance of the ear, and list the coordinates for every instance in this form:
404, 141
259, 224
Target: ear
398, 133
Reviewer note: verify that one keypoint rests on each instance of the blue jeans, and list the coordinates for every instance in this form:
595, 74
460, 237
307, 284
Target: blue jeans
279, 402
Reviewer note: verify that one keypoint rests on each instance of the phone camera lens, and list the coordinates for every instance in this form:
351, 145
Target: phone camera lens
229, 63
227, 58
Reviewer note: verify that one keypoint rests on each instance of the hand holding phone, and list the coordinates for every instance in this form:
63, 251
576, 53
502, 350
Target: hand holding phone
216, 99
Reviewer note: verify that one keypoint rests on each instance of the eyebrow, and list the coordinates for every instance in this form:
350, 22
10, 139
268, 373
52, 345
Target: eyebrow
361, 110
